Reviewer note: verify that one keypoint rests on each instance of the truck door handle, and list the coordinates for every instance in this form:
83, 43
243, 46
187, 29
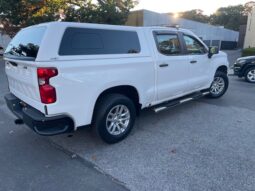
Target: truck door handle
193, 61
163, 65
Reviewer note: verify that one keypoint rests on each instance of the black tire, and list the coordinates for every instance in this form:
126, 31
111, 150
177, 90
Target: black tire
247, 72
224, 77
103, 107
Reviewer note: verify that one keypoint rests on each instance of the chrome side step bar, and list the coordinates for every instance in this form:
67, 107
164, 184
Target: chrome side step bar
179, 101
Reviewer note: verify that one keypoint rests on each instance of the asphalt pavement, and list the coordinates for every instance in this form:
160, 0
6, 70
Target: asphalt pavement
202, 145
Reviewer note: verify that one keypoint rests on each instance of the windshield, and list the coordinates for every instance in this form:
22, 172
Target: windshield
26, 44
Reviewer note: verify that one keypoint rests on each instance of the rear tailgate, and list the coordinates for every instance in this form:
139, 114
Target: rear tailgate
22, 79
23, 83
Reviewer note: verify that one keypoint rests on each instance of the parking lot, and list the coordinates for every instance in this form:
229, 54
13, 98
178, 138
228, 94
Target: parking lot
202, 145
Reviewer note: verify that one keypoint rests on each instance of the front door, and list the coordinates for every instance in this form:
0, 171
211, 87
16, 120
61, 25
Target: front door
199, 63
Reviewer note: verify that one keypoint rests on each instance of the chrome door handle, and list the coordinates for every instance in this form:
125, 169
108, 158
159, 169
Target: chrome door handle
193, 61
163, 65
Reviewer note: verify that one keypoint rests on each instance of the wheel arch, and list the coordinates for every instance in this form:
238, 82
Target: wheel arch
222, 68
246, 67
127, 90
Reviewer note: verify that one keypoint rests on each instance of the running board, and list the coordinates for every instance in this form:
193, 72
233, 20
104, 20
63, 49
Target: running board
179, 101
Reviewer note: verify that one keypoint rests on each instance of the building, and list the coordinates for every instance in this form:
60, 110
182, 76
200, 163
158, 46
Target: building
211, 35
250, 31
242, 32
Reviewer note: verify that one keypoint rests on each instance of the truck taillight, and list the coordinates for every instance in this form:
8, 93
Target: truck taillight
47, 92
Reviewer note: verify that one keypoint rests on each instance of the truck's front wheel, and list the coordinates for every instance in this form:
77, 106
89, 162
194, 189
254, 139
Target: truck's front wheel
219, 85
114, 117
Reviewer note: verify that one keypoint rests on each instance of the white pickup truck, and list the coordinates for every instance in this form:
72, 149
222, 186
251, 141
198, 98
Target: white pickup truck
63, 76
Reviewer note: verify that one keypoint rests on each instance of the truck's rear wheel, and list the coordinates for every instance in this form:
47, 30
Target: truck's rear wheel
219, 85
114, 117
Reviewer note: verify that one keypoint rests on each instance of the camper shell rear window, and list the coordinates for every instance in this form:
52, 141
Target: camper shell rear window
25, 45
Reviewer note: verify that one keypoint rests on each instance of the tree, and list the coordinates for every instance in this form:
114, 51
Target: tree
230, 17
195, 15
80, 11
16, 14
248, 7
109, 10
105, 11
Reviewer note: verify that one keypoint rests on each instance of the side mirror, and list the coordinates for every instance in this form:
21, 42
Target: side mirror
213, 50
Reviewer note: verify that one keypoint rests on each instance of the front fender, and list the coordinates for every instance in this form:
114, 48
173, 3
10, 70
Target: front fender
219, 60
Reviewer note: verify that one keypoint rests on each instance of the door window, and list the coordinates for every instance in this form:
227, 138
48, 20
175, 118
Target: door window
193, 45
168, 44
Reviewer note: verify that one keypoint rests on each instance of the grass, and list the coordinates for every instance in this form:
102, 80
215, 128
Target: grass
248, 52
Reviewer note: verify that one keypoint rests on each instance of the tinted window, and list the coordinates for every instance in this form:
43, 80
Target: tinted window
82, 41
193, 45
168, 44
26, 43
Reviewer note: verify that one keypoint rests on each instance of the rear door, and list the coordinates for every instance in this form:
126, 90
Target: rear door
20, 67
172, 65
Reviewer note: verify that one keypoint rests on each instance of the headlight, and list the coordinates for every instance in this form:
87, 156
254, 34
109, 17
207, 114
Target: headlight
241, 61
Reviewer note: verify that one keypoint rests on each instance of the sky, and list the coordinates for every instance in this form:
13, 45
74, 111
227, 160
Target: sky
174, 6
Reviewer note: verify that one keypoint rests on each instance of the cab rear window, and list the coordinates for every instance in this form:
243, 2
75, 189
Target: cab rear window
26, 44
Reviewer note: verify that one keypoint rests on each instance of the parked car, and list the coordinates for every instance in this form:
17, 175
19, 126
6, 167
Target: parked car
1, 51
63, 76
245, 67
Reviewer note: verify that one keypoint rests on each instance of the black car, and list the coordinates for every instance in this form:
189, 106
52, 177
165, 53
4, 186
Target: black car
245, 67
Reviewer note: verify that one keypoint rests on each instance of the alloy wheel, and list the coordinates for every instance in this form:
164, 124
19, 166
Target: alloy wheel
117, 120
251, 75
218, 86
